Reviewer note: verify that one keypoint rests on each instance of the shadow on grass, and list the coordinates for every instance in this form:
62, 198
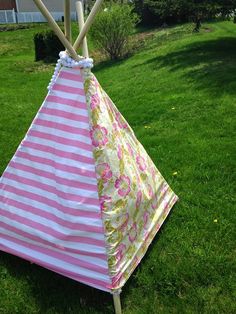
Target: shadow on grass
210, 64
103, 65
54, 293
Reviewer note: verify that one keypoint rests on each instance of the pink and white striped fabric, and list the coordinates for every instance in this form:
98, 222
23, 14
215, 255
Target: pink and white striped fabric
49, 206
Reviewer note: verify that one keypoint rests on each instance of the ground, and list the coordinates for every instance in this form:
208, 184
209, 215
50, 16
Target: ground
178, 93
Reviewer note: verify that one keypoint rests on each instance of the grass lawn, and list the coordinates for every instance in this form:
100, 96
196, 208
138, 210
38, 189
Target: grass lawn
178, 93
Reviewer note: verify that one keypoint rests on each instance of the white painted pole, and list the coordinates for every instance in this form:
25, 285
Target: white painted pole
67, 24
80, 13
6, 16
56, 29
117, 304
17, 5
14, 15
87, 24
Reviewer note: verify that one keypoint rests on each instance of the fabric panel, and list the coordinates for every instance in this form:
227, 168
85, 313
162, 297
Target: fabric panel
134, 197
49, 206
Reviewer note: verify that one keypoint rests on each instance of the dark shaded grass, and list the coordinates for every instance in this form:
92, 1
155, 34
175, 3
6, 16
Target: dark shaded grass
178, 94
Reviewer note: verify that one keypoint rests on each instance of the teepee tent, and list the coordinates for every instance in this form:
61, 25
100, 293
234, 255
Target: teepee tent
81, 196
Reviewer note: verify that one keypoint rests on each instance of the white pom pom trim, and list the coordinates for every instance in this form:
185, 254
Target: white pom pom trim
66, 61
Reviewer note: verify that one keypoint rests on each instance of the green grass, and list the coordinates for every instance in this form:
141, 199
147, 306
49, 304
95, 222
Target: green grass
183, 87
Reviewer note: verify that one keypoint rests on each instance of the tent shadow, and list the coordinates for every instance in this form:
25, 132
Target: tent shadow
201, 63
107, 64
54, 293
57, 294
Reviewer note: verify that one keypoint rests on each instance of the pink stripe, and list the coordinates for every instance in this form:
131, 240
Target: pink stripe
66, 101
60, 140
71, 76
68, 89
62, 127
51, 189
116, 279
55, 254
51, 203
56, 165
49, 231
38, 239
64, 114
83, 279
34, 238
58, 152
50, 216
52, 176
29, 236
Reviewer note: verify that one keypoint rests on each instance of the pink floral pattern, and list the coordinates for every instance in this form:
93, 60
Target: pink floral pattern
123, 185
99, 136
121, 123
104, 171
139, 199
145, 219
120, 252
105, 202
154, 202
150, 191
124, 221
141, 163
119, 151
134, 198
95, 101
133, 232
130, 150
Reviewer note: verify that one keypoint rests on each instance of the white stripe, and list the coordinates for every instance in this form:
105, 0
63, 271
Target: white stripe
49, 117
73, 163
63, 107
47, 237
59, 173
51, 196
68, 95
62, 147
54, 262
93, 260
50, 223
68, 135
58, 186
76, 72
53, 210
70, 83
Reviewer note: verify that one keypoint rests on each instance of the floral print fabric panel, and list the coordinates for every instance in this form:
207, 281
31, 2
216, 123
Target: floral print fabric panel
135, 199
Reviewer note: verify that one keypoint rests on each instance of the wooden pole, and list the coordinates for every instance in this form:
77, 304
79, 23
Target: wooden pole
117, 304
87, 24
80, 13
56, 29
67, 24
